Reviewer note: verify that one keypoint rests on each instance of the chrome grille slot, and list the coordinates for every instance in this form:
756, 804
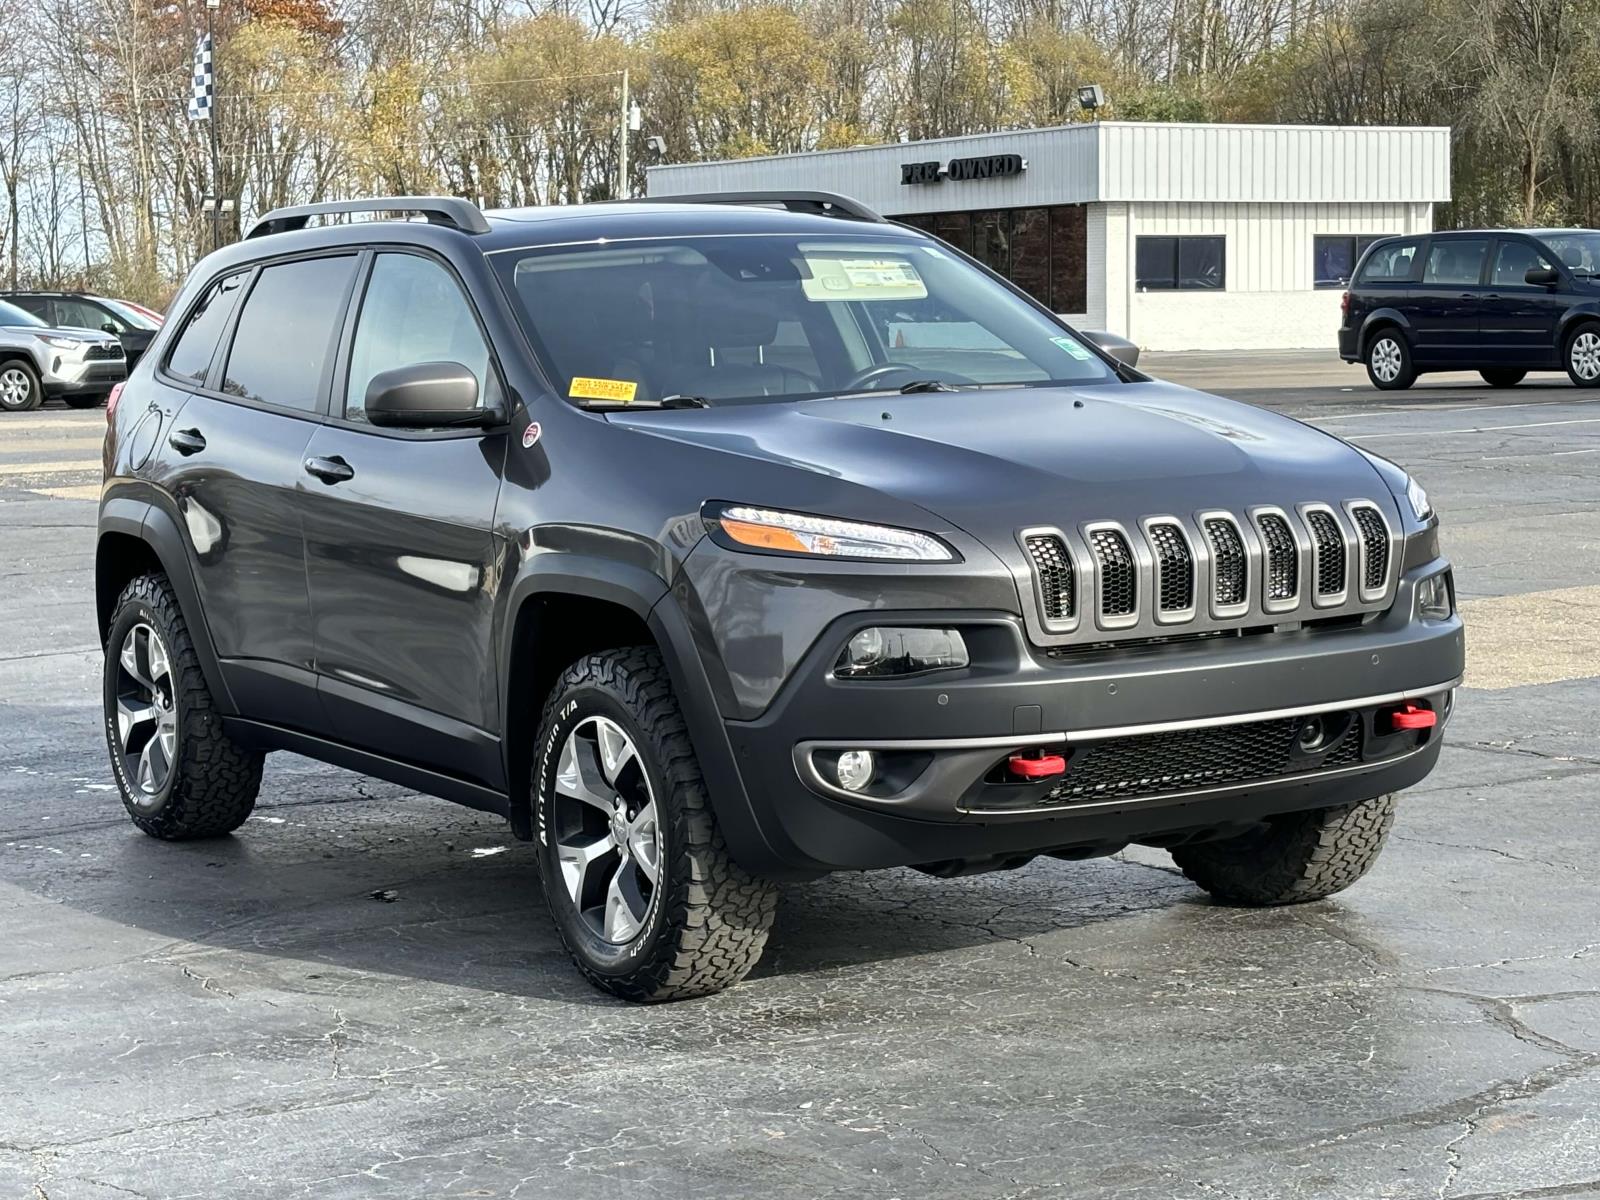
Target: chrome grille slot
1052, 566
1328, 547
1374, 548
1283, 559
1230, 565
1117, 573
1174, 566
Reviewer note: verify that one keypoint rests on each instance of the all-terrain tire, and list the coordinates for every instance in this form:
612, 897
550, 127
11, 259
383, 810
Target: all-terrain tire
709, 918
1294, 857
213, 781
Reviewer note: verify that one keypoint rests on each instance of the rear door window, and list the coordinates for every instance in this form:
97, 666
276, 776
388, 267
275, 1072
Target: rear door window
1392, 263
1456, 262
197, 342
286, 332
1513, 261
72, 313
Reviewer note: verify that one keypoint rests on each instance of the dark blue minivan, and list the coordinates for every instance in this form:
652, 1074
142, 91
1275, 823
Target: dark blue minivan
1500, 302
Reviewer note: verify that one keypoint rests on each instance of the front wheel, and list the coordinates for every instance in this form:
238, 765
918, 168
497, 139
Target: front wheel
1389, 361
19, 387
1502, 377
1583, 355
640, 883
1293, 857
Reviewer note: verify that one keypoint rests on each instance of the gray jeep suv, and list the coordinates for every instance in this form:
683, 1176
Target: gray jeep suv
724, 542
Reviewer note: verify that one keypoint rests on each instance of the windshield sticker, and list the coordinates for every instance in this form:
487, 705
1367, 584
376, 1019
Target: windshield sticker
1073, 348
619, 391
862, 279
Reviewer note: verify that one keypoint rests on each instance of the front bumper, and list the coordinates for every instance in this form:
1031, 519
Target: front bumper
63, 374
944, 739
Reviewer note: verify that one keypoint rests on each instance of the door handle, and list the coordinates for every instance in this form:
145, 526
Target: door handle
186, 441
330, 470
1466, 296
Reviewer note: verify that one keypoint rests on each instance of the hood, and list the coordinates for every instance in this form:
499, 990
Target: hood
994, 462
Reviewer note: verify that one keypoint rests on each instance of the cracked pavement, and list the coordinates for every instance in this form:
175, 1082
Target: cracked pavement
349, 999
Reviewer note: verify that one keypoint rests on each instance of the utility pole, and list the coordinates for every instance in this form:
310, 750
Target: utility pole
622, 141
216, 159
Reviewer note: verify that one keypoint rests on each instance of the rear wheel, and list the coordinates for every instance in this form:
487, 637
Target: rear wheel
1293, 857
1389, 361
19, 387
644, 893
1583, 355
1502, 377
77, 400
181, 776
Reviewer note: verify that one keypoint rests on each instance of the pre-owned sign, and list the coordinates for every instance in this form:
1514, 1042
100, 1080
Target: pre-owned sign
989, 166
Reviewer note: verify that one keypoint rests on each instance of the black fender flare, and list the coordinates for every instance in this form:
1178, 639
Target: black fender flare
1383, 316
157, 527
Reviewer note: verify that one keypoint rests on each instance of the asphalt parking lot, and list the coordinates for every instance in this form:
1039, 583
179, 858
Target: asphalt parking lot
361, 994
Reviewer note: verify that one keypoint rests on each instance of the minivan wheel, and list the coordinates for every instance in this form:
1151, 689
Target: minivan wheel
19, 387
1293, 857
1389, 361
639, 881
180, 775
1583, 355
1502, 376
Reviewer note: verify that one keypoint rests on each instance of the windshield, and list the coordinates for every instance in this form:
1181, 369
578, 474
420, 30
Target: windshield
1579, 249
743, 319
129, 315
10, 314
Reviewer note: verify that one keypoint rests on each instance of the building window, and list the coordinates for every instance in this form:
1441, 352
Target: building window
1334, 257
1044, 251
1180, 263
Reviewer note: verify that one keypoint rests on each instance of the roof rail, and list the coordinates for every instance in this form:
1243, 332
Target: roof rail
440, 210
828, 204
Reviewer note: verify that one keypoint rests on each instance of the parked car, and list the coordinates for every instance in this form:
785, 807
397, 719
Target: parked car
37, 360
725, 542
130, 324
1501, 302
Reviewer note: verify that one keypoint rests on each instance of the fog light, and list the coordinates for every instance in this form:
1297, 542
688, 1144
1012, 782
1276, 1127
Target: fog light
884, 651
855, 769
1312, 734
1433, 597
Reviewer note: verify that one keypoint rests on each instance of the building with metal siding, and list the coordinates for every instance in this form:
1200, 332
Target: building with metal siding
1178, 236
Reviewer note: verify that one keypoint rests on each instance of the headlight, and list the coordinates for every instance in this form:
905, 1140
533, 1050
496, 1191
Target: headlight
60, 343
797, 533
1419, 500
879, 652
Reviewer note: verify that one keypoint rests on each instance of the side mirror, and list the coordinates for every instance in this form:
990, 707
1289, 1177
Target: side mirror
1542, 276
1120, 348
429, 395
108, 327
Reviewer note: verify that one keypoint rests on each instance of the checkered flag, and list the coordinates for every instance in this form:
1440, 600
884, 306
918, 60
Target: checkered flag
203, 84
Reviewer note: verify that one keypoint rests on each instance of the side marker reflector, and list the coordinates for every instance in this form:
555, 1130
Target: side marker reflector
1037, 766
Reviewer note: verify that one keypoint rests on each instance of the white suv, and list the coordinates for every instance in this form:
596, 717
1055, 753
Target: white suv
79, 365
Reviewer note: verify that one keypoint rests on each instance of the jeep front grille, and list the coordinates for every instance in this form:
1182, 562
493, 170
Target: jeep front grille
1120, 580
1119, 574
1052, 568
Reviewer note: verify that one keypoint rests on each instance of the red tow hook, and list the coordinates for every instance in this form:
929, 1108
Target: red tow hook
1409, 716
1037, 765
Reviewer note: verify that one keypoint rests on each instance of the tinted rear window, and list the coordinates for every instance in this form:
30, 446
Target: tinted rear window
197, 342
286, 332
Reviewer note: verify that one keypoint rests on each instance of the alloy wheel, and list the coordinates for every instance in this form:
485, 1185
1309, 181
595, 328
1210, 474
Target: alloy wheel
147, 711
607, 832
1585, 355
1386, 359
15, 387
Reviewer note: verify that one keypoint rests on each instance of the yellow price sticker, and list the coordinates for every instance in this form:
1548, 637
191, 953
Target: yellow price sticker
619, 390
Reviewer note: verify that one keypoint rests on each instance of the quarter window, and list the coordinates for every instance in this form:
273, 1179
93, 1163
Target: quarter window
1334, 258
1456, 261
286, 332
1393, 263
1180, 263
197, 342
413, 312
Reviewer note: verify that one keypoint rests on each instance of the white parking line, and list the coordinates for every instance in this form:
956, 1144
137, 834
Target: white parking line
1538, 454
1432, 433
1449, 411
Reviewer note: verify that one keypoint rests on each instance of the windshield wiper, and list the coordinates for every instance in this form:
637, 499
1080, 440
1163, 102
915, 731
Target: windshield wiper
926, 385
675, 400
